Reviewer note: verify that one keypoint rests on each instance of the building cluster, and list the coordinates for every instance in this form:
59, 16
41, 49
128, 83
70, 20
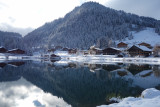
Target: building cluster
121, 50
12, 51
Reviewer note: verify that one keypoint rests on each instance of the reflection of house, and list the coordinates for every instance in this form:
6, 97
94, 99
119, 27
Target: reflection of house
3, 50
2, 65
16, 64
139, 51
111, 51
146, 45
16, 51
122, 45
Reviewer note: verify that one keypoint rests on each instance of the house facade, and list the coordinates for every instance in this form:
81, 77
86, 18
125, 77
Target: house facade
111, 51
16, 51
139, 51
3, 50
122, 45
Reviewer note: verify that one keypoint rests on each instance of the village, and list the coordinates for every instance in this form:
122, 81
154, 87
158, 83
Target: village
140, 50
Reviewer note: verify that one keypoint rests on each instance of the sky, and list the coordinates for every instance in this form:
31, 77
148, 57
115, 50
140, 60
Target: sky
25, 15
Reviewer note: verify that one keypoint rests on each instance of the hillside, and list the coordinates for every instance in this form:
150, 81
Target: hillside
89, 24
10, 40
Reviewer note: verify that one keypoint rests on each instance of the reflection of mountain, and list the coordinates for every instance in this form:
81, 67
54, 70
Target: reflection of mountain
77, 85
134, 69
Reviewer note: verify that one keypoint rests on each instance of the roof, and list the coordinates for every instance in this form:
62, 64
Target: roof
14, 49
144, 48
122, 43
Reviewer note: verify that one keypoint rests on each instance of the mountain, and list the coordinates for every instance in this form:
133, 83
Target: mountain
87, 25
10, 40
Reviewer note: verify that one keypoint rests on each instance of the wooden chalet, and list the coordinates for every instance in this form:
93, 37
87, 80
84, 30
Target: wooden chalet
146, 45
122, 45
139, 51
65, 49
51, 50
16, 51
58, 48
3, 50
72, 51
111, 51
95, 51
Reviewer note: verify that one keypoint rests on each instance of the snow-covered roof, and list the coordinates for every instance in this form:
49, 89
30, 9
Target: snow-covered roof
14, 49
144, 48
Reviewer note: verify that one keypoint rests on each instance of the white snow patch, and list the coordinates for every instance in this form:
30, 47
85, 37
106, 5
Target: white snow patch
149, 98
148, 35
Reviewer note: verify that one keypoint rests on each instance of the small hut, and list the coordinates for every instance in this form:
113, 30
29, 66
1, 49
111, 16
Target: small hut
16, 51
3, 50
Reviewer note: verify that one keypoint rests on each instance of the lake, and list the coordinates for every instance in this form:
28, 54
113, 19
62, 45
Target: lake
72, 84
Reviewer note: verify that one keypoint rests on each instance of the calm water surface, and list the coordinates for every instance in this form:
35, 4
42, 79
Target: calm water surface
54, 84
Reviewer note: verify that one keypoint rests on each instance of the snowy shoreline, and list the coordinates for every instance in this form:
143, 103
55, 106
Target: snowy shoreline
95, 59
149, 98
102, 59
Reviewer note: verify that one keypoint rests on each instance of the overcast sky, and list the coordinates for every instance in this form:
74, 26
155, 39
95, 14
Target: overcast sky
22, 15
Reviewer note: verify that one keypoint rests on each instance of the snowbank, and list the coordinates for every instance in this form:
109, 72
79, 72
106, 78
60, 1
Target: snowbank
149, 98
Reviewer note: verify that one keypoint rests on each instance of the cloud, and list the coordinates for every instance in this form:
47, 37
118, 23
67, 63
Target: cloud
148, 8
9, 28
22, 93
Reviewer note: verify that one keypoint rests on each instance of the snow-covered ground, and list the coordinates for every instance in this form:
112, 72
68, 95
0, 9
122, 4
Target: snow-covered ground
149, 98
147, 35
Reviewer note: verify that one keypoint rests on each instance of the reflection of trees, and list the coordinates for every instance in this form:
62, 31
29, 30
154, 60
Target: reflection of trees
77, 86
156, 70
134, 69
110, 67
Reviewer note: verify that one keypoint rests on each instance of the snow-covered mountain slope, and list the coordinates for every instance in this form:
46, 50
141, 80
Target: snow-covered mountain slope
147, 35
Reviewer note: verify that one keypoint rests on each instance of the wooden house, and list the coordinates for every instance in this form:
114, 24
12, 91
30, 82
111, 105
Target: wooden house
95, 51
146, 45
72, 51
122, 45
16, 51
58, 48
65, 49
139, 51
111, 51
51, 50
3, 50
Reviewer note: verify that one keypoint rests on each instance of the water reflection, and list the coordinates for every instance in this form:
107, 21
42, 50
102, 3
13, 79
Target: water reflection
22, 93
75, 84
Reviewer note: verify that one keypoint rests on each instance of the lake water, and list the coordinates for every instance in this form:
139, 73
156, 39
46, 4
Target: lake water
68, 84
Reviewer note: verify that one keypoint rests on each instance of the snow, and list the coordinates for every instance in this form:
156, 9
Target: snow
144, 48
149, 98
148, 35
